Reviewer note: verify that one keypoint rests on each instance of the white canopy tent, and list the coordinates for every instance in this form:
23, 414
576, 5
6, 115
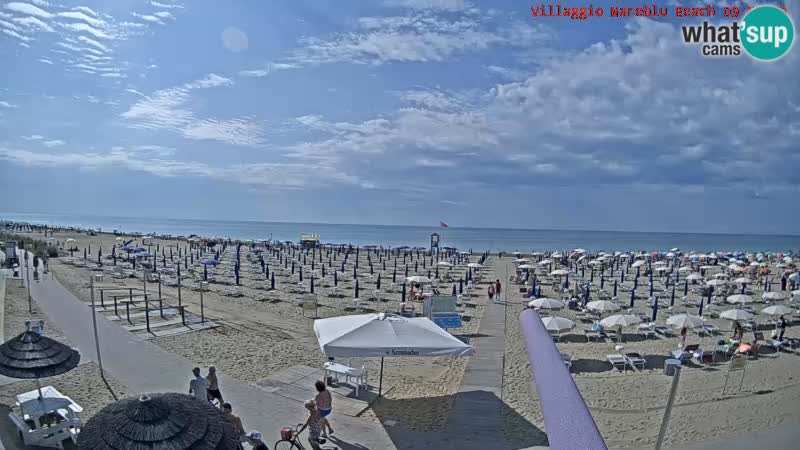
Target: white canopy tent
385, 335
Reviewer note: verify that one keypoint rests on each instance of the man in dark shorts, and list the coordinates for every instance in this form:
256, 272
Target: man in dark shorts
213, 386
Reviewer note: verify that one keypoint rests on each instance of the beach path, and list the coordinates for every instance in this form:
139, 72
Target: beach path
144, 367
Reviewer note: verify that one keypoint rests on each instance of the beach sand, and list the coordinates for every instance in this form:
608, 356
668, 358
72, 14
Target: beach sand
261, 337
83, 384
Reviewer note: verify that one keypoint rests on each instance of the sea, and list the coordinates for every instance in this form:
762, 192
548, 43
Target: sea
463, 238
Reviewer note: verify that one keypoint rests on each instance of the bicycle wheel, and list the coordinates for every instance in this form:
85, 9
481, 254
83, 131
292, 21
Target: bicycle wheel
286, 445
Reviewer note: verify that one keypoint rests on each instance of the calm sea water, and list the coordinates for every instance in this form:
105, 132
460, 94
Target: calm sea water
479, 239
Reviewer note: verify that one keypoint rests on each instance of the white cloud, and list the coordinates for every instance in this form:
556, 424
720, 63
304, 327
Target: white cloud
77, 15
6, 104
86, 10
46, 61
85, 28
25, 8
94, 43
268, 69
164, 15
508, 73
40, 3
33, 23
17, 35
148, 18
423, 37
33, 137
436, 163
444, 5
166, 109
167, 5
53, 143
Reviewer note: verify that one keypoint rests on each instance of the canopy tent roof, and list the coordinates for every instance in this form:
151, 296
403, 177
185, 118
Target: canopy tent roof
385, 335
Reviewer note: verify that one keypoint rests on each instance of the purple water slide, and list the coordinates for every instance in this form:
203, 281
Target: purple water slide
567, 420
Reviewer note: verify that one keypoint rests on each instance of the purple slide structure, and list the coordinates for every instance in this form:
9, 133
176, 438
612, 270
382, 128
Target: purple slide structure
567, 420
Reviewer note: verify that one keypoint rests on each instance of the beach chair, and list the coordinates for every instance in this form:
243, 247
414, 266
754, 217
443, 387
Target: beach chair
724, 348
663, 330
618, 361
686, 354
636, 360
647, 330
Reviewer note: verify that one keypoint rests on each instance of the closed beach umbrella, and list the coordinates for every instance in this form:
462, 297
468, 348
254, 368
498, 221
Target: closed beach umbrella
31, 355
546, 303
403, 295
167, 421
557, 324
633, 297
378, 284
356, 289
736, 314
655, 309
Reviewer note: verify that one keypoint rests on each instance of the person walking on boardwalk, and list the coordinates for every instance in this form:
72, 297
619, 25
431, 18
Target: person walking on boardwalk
213, 386
490, 291
497, 289
324, 405
198, 386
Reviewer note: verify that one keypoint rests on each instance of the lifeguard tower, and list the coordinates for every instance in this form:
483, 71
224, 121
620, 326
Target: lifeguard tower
434, 242
309, 240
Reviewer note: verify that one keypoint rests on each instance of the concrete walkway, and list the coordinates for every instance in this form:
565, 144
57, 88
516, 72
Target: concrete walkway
144, 367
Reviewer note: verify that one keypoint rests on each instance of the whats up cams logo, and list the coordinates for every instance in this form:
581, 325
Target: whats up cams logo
766, 33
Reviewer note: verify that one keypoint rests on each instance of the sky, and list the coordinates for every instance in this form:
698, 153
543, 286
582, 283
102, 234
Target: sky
406, 112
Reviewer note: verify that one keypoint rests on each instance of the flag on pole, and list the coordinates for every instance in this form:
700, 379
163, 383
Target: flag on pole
442, 224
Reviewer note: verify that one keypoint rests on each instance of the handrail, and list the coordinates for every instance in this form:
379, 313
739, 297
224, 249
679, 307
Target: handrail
567, 419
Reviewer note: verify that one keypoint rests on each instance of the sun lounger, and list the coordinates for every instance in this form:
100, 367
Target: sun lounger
635, 360
647, 330
686, 354
592, 334
774, 343
617, 361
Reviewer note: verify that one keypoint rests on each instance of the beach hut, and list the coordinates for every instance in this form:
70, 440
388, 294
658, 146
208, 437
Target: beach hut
167, 421
385, 336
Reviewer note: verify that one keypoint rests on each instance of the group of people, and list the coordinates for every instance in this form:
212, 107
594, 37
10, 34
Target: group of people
494, 289
319, 409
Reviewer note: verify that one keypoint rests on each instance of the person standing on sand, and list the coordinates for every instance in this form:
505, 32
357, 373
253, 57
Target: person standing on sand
490, 291
783, 328
325, 405
497, 289
198, 386
683, 337
213, 386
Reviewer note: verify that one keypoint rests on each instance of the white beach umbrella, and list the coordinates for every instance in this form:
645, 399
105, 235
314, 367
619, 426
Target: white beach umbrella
684, 321
475, 265
559, 273
526, 266
776, 310
661, 269
671, 255
557, 324
595, 263
685, 269
444, 264
545, 262
546, 303
556, 255
716, 282
796, 293
708, 267
736, 314
418, 279
620, 320
603, 306
638, 263
660, 263
754, 264
694, 277
579, 250
521, 260
739, 298
742, 280
675, 249
720, 276
774, 295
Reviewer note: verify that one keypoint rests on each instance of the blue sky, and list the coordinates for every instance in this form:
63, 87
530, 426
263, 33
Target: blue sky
391, 112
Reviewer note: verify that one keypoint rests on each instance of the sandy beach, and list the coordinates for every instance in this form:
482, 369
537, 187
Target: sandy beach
263, 332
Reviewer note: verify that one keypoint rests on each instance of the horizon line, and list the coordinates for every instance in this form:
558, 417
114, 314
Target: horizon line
409, 226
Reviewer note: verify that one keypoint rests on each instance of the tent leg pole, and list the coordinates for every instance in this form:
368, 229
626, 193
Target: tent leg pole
380, 382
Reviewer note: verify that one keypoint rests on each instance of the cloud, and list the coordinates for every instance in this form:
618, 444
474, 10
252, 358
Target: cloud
268, 69
25, 8
444, 5
94, 43
274, 175
17, 35
53, 143
77, 15
166, 109
508, 73
46, 61
166, 5
422, 37
33, 137
33, 23
5, 104
85, 28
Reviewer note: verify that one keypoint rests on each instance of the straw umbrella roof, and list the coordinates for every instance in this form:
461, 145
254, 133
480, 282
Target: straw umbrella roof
168, 421
31, 355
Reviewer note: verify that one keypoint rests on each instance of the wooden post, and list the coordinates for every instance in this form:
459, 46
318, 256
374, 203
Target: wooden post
128, 312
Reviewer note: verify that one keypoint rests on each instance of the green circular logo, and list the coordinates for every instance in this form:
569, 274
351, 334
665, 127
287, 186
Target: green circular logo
767, 32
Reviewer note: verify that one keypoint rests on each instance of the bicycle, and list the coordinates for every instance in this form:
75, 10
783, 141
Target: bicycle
290, 440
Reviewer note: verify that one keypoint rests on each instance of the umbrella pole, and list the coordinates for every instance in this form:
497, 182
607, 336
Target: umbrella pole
39, 388
380, 382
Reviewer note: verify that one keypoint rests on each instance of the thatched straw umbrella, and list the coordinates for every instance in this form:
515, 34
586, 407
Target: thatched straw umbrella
166, 421
31, 355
